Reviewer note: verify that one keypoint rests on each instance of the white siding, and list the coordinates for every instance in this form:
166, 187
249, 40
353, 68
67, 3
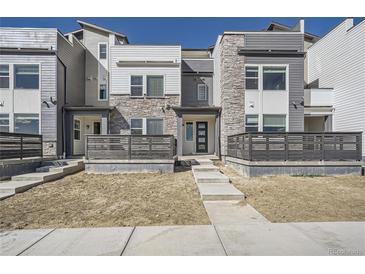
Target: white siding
120, 76
28, 38
217, 74
338, 61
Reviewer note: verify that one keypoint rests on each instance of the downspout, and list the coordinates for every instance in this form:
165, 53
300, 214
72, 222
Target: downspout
219, 134
63, 108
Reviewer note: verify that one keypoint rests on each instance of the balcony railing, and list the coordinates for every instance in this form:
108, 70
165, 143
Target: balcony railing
296, 146
318, 97
19, 146
130, 147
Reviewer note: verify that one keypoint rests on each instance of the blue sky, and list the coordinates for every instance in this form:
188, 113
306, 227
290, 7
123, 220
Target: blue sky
189, 32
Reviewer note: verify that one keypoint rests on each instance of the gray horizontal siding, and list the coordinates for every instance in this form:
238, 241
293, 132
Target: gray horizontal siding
28, 38
204, 65
275, 41
296, 86
189, 93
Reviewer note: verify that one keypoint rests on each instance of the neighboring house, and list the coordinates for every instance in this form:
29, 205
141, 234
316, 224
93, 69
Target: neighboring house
259, 81
40, 72
336, 72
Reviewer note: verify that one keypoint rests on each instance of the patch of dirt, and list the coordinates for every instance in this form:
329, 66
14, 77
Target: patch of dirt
303, 199
90, 200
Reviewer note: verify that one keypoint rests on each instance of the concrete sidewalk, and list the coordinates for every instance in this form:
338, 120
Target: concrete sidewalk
257, 237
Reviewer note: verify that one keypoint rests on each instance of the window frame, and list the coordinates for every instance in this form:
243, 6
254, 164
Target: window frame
9, 65
106, 50
26, 64
131, 128
106, 92
77, 129
3, 117
154, 118
186, 130
130, 85
276, 115
277, 66
205, 92
163, 85
251, 126
250, 77
34, 114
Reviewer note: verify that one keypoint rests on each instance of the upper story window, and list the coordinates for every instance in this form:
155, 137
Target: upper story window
4, 122
274, 123
274, 78
26, 76
4, 76
136, 85
102, 92
202, 92
155, 86
252, 77
26, 123
102, 51
252, 123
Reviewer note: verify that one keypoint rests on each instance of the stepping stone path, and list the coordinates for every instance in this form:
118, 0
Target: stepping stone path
212, 184
21, 183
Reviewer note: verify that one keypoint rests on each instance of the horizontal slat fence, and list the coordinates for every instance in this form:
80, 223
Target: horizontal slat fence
296, 146
19, 146
130, 147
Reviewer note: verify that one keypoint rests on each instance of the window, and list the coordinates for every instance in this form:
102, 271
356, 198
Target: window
77, 128
155, 86
136, 85
274, 123
136, 126
274, 78
154, 126
252, 123
97, 128
26, 123
26, 76
102, 51
4, 76
4, 122
202, 92
102, 92
189, 131
252, 77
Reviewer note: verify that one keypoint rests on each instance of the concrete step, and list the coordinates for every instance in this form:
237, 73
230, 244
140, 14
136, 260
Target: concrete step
70, 168
219, 192
204, 168
204, 161
39, 176
205, 177
18, 186
4, 195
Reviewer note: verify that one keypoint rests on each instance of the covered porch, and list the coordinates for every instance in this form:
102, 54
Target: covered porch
198, 130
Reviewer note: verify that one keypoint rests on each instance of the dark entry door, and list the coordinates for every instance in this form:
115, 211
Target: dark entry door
201, 137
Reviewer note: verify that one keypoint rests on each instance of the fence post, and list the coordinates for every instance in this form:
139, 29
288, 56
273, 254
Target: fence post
250, 146
21, 147
129, 147
322, 147
172, 148
87, 148
359, 146
41, 146
286, 147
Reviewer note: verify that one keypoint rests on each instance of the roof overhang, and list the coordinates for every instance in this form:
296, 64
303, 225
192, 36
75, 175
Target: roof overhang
196, 110
88, 108
147, 64
265, 52
38, 51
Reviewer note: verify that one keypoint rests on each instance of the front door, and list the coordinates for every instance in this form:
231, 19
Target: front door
202, 137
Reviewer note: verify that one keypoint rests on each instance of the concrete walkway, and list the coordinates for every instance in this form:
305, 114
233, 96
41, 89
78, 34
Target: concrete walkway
212, 184
255, 238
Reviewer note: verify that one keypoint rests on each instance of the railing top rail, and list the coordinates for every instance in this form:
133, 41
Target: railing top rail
122, 135
299, 133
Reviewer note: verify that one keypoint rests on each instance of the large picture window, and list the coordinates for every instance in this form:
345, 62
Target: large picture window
26, 76
4, 122
274, 123
155, 86
4, 76
136, 85
252, 123
26, 123
252, 77
154, 126
274, 78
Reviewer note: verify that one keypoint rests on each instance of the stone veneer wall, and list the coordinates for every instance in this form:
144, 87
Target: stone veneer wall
232, 88
49, 148
127, 108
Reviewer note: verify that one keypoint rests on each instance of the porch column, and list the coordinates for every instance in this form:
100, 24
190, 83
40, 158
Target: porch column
104, 125
179, 135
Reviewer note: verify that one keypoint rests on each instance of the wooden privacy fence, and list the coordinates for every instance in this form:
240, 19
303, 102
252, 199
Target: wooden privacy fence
130, 147
296, 146
19, 145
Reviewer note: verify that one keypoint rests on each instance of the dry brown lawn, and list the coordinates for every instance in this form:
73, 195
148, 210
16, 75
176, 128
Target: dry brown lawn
86, 200
301, 199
